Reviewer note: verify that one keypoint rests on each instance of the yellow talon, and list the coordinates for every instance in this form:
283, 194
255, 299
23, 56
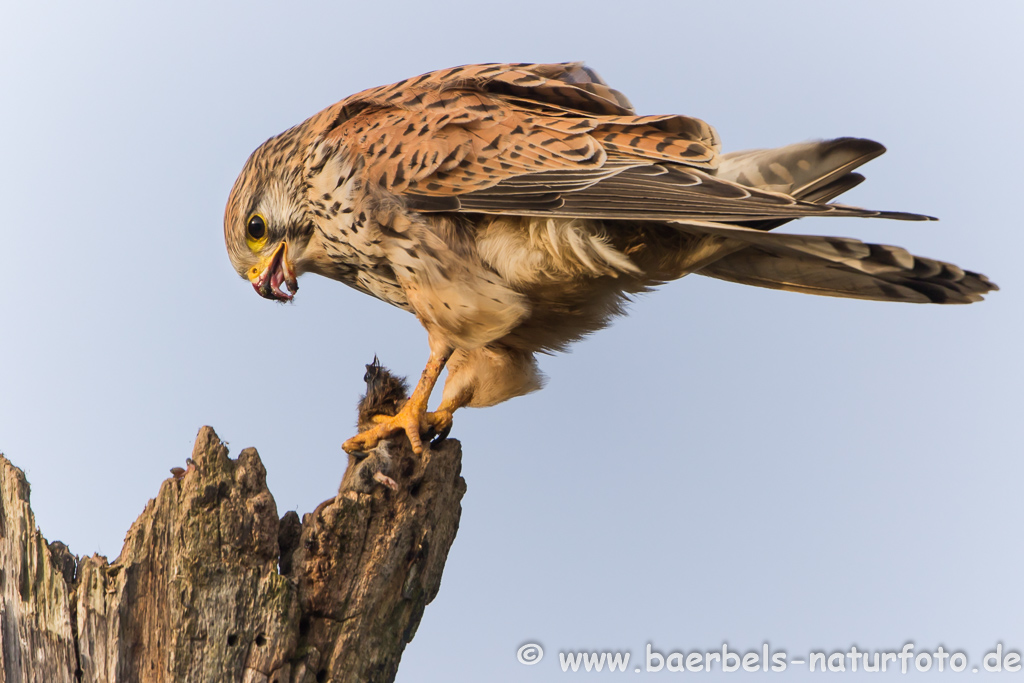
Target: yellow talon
413, 418
413, 422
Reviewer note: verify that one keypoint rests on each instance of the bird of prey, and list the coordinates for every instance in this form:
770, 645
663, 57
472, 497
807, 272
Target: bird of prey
515, 208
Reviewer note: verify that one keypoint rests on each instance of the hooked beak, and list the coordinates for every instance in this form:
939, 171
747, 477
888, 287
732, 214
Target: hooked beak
268, 282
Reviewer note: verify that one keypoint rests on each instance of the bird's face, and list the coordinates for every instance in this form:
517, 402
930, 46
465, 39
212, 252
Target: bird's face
266, 226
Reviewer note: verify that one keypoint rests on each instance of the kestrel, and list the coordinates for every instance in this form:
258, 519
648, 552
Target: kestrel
515, 208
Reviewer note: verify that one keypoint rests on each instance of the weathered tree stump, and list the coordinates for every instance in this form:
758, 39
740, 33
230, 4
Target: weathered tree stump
212, 586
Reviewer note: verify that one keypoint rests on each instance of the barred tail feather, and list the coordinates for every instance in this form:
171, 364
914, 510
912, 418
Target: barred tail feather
873, 271
830, 266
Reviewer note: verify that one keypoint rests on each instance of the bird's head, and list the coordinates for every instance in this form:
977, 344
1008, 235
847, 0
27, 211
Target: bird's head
266, 224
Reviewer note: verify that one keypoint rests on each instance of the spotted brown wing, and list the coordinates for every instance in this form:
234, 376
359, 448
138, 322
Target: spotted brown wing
546, 140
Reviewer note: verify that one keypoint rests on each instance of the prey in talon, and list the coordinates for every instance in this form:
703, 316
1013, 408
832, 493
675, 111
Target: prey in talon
516, 208
385, 394
384, 397
380, 416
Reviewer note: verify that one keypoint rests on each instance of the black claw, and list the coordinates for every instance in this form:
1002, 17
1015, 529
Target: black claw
440, 437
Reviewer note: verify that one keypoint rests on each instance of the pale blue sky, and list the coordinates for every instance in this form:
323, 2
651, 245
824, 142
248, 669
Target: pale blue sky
726, 463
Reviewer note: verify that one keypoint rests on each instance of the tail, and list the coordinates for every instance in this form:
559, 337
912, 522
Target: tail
828, 266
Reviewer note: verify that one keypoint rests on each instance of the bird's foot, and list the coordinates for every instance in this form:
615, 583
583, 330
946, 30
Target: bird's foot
412, 419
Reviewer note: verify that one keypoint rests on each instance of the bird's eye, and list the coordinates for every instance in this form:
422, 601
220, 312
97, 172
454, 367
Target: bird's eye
257, 227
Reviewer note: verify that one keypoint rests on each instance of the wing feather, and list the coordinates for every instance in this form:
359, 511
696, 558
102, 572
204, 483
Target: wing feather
555, 140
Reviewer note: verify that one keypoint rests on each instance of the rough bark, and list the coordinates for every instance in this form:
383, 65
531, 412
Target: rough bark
35, 619
212, 586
